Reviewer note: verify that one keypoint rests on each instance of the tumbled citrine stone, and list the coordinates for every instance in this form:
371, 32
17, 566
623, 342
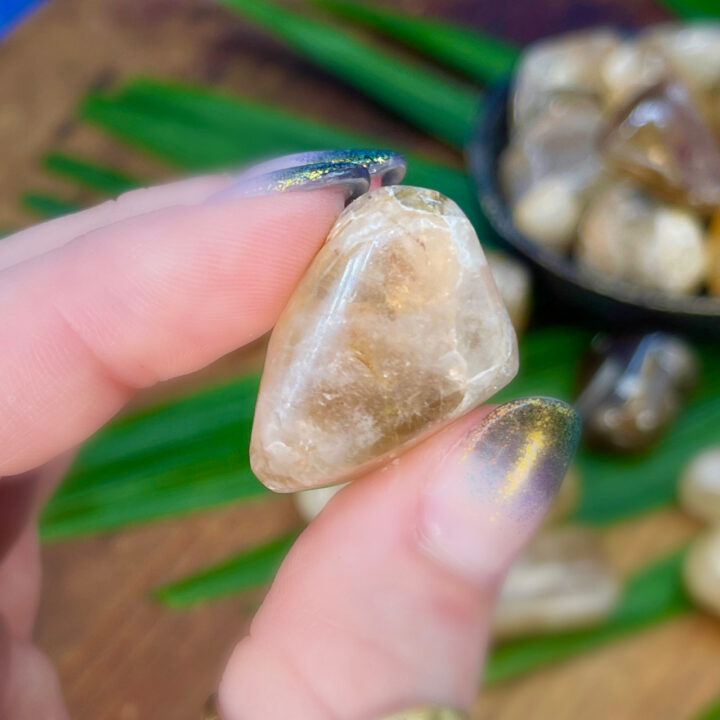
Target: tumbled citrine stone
661, 139
396, 329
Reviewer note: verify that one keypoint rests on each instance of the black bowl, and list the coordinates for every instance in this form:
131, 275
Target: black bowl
614, 302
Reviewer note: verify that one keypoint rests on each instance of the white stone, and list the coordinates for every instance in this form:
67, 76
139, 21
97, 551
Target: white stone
562, 581
513, 280
566, 64
700, 486
702, 570
310, 503
630, 235
628, 69
549, 213
560, 143
693, 50
395, 330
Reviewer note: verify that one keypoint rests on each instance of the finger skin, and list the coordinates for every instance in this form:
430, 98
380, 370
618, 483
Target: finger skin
32, 682
143, 300
370, 611
31, 690
47, 236
29, 687
20, 584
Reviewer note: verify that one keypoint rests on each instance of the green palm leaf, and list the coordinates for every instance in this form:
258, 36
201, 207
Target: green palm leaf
48, 206
198, 129
479, 56
193, 148
182, 455
197, 447
431, 101
712, 712
247, 570
178, 493
89, 174
652, 595
247, 122
694, 9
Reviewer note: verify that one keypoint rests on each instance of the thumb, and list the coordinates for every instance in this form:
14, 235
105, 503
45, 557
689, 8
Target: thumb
385, 601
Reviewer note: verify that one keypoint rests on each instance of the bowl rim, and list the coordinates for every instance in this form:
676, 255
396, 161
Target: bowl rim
482, 157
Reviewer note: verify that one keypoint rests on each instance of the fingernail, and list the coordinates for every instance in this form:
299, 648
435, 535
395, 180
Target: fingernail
350, 170
493, 488
353, 179
388, 165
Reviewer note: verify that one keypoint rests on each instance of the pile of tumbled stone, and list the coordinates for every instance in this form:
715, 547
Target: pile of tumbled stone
614, 153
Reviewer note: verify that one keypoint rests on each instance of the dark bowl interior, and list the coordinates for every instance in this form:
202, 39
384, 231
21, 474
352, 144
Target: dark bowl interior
615, 303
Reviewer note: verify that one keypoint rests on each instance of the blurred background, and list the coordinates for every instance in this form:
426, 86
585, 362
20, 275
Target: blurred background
160, 542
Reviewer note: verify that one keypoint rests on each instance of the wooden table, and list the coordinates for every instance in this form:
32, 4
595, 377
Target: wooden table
123, 657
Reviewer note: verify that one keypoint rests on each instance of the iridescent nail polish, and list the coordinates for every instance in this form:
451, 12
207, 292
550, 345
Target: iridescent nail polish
352, 169
353, 178
388, 165
519, 456
494, 487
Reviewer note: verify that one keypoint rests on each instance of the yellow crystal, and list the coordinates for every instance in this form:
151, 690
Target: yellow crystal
396, 329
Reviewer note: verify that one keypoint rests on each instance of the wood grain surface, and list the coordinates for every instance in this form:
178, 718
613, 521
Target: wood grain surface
123, 657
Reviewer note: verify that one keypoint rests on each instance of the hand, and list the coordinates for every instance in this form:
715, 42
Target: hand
386, 599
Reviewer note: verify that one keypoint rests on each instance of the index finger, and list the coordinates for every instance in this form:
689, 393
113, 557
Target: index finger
152, 297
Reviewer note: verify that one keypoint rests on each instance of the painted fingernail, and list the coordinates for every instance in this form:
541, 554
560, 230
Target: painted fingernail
493, 488
388, 165
353, 179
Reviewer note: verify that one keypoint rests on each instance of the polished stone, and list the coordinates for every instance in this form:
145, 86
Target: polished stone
549, 213
549, 169
689, 52
568, 64
699, 488
628, 234
691, 49
396, 329
632, 388
631, 67
702, 571
661, 140
562, 581
560, 142
310, 503
514, 283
